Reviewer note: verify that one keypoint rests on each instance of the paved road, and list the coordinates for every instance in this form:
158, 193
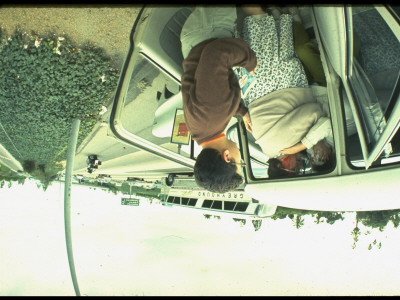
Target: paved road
108, 26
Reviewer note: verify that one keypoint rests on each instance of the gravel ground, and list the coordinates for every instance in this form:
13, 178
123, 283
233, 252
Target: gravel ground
107, 26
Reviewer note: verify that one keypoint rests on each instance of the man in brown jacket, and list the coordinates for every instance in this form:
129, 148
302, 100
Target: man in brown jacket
211, 93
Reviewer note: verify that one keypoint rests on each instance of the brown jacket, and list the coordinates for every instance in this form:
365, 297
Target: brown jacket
210, 89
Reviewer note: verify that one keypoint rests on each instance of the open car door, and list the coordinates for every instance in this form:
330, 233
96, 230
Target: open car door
359, 51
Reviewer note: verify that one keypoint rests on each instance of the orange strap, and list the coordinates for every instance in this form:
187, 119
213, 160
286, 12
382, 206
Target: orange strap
217, 137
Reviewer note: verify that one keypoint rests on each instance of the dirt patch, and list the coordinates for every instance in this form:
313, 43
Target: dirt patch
108, 27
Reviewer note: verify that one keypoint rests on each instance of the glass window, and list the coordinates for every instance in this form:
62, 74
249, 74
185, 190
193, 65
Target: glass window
207, 203
229, 205
149, 88
192, 202
185, 201
373, 83
217, 204
241, 206
257, 158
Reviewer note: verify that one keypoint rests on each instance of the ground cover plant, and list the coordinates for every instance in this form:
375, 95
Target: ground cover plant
46, 82
8, 176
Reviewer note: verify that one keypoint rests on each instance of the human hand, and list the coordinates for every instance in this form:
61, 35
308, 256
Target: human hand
253, 72
247, 122
294, 149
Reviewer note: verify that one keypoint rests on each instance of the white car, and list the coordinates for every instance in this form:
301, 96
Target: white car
366, 172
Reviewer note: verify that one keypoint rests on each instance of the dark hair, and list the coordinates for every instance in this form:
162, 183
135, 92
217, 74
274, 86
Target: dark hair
275, 169
214, 174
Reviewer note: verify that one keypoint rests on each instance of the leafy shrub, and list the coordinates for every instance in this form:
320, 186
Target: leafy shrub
379, 219
29, 166
7, 175
46, 83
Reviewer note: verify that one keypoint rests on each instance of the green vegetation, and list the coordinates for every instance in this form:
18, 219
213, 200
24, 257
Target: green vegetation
370, 219
379, 219
139, 191
45, 173
7, 175
296, 215
46, 83
373, 219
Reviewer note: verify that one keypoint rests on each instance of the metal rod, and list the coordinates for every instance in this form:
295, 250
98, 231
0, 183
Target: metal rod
73, 138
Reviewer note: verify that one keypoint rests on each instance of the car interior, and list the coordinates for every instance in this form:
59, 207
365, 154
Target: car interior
170, 43
373, 84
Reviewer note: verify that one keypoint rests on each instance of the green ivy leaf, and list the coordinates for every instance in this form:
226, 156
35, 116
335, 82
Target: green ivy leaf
50, 91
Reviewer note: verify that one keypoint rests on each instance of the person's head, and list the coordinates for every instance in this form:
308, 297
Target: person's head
323, 159
285, 165
275, 169
292, 162
218, 172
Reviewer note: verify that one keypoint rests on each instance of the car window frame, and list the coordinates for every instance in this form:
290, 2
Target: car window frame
393, 122
341, 18
116, 127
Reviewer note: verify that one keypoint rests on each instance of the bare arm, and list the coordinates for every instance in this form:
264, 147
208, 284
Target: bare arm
294, 149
